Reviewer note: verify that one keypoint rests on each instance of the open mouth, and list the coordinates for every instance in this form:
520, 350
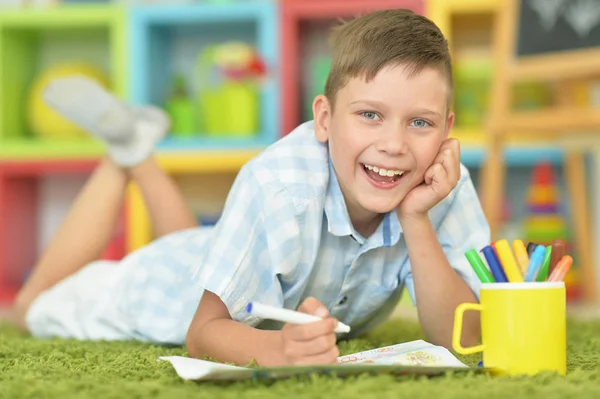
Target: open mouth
383, 177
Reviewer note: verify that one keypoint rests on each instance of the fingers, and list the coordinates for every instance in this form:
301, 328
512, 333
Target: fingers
449, 157
313, 343
307, 347
437, 174
329, 357
313, 306
310, 331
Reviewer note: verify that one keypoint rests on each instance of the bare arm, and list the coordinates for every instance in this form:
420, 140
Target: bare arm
213, 333
438, 288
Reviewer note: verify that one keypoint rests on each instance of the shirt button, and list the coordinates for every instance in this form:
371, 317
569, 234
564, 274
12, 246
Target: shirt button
343, 300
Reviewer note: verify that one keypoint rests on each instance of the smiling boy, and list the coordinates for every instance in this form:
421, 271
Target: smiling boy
335, 219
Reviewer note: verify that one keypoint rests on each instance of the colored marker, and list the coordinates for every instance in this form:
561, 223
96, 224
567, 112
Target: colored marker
493, 244
530, 248
477, 264
558, 251
288, 316
521, 255
494, 264
561, 269
535, 262
509, 264
543, 274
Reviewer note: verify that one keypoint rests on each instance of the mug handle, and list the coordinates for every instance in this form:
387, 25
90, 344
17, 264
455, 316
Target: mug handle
457, 332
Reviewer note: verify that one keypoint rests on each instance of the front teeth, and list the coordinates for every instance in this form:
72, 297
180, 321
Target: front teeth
384, 172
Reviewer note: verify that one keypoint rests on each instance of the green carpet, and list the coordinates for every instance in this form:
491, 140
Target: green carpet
32, 368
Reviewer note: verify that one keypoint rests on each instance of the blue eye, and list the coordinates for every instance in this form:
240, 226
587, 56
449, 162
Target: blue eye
370, 115
420, 123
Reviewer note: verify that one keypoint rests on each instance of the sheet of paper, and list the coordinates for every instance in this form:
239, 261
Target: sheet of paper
196, 369
414, 353
411, 357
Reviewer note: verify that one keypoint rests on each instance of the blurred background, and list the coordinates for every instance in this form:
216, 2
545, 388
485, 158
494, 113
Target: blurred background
235, 75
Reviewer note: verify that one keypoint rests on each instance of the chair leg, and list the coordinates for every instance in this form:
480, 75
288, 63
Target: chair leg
492, 185
578, 196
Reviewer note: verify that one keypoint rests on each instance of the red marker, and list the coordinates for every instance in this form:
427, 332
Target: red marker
558, 250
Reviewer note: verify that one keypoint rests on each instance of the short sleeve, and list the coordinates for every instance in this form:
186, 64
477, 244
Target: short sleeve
256, 236
463, 226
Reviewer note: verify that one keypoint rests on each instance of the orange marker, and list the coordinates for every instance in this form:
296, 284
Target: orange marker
561, 269
521, 255
508, 262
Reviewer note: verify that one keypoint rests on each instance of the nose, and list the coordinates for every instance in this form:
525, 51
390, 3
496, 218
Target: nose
393, 142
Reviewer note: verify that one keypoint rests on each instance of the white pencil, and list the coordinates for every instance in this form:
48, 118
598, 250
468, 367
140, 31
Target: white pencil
288, 316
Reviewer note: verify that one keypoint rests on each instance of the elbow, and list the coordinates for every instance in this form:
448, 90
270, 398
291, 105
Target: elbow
193, 343
470, 336
470, 339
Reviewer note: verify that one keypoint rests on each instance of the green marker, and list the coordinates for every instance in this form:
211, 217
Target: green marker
482, 272
543, 273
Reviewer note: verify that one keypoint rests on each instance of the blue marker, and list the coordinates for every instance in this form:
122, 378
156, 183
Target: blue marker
494, 264
536, 260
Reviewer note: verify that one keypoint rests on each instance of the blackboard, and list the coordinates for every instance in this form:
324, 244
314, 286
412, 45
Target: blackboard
550, 26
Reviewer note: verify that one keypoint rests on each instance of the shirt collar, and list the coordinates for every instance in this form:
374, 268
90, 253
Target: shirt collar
338, 219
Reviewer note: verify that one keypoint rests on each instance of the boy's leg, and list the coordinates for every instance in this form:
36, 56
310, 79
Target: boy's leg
165, 203
130, 135
83, 235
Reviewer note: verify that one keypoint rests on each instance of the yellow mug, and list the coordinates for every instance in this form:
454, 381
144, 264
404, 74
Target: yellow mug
523, 327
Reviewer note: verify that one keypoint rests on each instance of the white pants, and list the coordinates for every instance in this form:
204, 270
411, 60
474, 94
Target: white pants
148, 296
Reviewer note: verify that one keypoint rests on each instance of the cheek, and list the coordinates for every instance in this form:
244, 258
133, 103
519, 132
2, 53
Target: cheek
348, 144
425, 158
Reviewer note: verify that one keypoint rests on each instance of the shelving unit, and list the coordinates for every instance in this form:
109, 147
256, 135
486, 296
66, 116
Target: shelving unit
141, 48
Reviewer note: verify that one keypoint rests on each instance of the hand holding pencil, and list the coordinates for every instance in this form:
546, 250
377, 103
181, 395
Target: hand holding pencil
309, 335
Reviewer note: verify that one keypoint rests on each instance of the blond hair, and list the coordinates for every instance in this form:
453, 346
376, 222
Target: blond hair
365, 45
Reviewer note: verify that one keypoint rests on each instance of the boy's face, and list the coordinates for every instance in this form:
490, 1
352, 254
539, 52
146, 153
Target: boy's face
393, 125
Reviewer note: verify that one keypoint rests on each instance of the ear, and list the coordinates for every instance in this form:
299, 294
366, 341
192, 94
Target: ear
322, 114
449, 123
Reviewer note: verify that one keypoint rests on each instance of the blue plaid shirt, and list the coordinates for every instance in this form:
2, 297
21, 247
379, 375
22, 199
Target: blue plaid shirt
285, 235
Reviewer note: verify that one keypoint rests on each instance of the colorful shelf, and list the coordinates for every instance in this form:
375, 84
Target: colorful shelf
143, 44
